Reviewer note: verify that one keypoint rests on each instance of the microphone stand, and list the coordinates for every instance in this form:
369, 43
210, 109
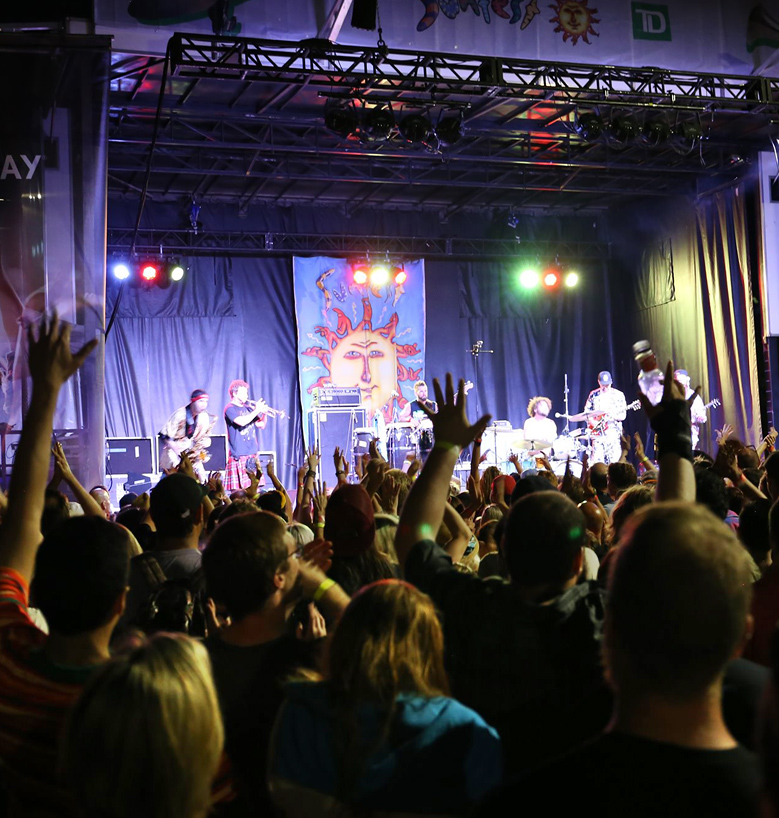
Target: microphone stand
566, 430
477, 348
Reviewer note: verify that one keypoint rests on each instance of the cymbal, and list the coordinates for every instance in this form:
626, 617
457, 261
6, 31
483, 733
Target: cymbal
532, 445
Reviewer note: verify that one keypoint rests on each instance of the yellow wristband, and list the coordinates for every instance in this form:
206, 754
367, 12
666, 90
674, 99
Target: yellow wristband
326, 585
320, 524
449, 447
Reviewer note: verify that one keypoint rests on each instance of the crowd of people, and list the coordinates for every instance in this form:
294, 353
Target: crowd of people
400, 645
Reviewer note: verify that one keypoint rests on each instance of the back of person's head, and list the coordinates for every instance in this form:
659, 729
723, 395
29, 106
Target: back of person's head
599, 476
386, 529
237, 507
350, 524
753, 529
491, 513
773, 527
175, 505
81, 572
710, 491
301, 533
543, 539
241, 560
621, 476
629, 501
55, 510
272, 501
530, 484
145, 737
128, 499
678, 603
388, 641
771, 467
487, 479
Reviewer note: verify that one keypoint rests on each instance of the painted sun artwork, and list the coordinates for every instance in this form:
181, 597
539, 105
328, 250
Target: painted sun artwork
575, 20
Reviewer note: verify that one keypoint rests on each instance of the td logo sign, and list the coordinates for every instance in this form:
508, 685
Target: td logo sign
651, 22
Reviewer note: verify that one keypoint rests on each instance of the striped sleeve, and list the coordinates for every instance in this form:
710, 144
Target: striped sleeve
14, 594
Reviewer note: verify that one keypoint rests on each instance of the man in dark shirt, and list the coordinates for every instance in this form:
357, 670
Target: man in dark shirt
525, 653
254, 570
242, 419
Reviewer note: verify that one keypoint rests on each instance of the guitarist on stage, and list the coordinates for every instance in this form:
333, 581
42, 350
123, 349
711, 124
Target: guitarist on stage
188, 429
698, 414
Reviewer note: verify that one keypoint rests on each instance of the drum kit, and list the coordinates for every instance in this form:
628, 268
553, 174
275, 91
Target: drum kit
406, 438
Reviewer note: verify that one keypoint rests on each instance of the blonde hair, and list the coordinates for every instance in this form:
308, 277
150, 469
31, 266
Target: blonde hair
531, 407
146, 737
418, 384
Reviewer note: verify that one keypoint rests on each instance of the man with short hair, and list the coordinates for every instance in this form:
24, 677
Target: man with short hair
621, 476
243, 418
677, 613
525, 653
255, 573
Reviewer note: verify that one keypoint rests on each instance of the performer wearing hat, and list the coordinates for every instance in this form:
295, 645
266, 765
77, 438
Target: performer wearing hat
188, 428
607, 408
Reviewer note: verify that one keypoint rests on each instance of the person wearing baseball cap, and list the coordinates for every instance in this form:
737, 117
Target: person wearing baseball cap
188, 429
607, 408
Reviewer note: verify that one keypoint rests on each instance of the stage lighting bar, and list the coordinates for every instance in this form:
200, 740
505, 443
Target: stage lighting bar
378, 274
550, 278
153, 272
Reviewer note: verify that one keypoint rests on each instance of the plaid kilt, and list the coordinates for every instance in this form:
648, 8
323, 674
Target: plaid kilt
235, 474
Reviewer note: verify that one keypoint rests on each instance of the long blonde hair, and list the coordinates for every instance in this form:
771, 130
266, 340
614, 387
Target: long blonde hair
146, 736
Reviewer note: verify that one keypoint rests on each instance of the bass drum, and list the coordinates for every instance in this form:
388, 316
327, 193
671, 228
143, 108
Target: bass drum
564, 447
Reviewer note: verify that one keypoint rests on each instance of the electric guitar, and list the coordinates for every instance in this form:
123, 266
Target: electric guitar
712, 404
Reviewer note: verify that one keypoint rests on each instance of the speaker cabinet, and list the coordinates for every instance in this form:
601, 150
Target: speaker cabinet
328, 428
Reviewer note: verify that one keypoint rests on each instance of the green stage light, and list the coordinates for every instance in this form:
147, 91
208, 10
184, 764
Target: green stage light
528, 279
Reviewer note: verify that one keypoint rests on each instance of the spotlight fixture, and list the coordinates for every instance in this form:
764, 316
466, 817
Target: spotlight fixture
589, 126
571, 279
686, 136
415, 128
528, 279
380, 275
450, 130
400, 276
342, 121
655, 133
121, 271
378, 124
622, 130
360, 274
176, 272
149, 273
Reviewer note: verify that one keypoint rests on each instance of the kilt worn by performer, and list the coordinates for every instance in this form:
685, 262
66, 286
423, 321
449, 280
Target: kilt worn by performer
243, 418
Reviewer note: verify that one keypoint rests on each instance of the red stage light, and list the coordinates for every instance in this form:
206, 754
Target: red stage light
401, 277
149, 272
360, 276
551, 278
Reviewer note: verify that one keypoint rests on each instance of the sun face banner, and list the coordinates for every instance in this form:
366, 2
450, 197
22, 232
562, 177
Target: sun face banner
359, 335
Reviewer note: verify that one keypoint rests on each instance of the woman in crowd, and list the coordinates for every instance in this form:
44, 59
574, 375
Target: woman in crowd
145, 737
381, 733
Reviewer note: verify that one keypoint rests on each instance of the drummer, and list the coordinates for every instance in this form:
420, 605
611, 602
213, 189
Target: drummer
413, 411
539, 426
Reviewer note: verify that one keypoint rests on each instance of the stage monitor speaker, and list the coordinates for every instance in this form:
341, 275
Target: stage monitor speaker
126, 455
217, 453
328, 428
769, 195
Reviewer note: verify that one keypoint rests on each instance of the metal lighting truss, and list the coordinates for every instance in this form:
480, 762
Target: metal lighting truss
247, 243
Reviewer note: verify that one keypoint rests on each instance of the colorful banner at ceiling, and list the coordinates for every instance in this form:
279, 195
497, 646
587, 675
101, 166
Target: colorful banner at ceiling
360, 336
718, 36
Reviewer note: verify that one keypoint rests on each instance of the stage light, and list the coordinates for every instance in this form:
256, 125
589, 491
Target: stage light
528, 279
655, 133
378, 124
360, 275
450, 130
380, 275
342, 121
551, 278
400, 276
622, 130
571, 279
415, 129
686, 137
149, 273
121, 271
176, 272
589, 126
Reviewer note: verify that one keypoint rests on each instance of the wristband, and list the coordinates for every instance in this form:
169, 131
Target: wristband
326, 585
339, 472
673, 427
477, 440
447, 447
320, 524
310, 473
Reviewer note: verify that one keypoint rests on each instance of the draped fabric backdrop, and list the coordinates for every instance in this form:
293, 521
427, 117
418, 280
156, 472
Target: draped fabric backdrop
695, 303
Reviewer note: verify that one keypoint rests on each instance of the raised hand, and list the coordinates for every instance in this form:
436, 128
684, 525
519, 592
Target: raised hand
450, 423
320, 501
639, 446
185, 466
50, 359
316, 627
61, 462
312, 457
724, 433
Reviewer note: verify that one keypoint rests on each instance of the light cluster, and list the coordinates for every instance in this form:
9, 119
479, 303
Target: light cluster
148, 272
